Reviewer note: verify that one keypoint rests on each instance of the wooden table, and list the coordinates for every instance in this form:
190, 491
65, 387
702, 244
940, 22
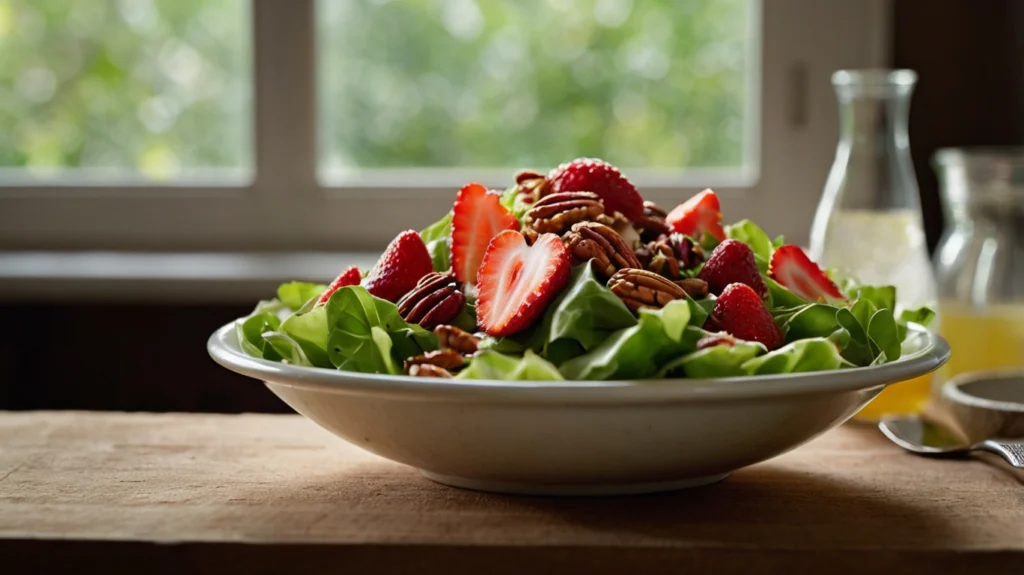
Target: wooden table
189, 493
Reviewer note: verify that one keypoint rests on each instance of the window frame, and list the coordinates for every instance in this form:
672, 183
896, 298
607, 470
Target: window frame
284, 206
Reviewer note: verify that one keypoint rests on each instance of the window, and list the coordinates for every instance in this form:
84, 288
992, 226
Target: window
160, 90
330, 124
460, 84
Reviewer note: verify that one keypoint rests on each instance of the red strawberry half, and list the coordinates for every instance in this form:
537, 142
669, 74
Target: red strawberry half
478, 217
732, 262
699, 214
516, 281
791, 267
403, 264
602, 178
349, 277
740, 312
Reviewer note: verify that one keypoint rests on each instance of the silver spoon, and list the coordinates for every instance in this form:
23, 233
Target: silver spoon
929, 438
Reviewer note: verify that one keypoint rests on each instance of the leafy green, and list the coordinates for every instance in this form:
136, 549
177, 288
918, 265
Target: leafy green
437, 236
250, 332
309, 331
366, 333
513, 200
717, 361
816, 354
638, 351
490, 364
583, 315
781, 297
586, 312
813, 320
289, 349
883, 297
884, 335
749, 233
922, 316
295, 294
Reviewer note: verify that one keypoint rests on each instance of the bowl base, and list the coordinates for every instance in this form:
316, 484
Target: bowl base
569, 489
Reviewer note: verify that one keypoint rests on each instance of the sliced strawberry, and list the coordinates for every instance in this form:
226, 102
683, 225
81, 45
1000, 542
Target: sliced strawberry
404, 262
791, 267
732, 262
516, 281
349, 277
699, 214
593, 175
478, 217
740, 312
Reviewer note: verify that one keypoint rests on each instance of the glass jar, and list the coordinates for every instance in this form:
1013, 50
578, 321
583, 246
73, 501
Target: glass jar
869, 223
980, 260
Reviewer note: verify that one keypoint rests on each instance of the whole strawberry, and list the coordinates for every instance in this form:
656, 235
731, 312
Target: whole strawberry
602, 178
349, 277
404, 262
732, 262
740, 312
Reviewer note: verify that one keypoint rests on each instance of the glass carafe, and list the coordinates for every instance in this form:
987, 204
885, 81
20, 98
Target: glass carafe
869, 223
980, 260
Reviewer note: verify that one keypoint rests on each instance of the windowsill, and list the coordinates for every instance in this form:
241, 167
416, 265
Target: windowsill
171, 277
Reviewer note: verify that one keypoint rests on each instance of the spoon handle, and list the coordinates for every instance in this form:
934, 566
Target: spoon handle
1011, 452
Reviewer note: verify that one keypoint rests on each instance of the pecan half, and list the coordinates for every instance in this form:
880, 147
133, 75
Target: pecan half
456, 339
651, 225
694, 287
532, 185
556, 213
427, 370
603, 245
436, 299
446, 359
643, 289
669, 255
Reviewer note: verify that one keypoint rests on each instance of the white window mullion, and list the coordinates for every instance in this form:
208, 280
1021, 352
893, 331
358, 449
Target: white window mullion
285, 96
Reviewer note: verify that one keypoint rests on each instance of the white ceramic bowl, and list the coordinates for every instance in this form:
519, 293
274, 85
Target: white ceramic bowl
578, 438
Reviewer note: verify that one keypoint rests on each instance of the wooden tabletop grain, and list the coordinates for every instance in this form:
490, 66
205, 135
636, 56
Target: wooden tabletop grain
271, 493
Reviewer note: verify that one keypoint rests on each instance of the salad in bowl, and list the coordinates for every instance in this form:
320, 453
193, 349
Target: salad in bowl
573, 276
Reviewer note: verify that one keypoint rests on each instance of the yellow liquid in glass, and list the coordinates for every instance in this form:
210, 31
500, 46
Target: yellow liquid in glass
904, 397
992, 338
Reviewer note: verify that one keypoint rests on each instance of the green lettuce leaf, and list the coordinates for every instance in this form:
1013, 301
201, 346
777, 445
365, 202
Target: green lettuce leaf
583, 315
638, 351
309, 331
437, 236
289, 349
883, 297
366, 334
884, 335
250, 330
513, 200
781, 298
718, 361
749, 233
490, 364
816, 354
295, 294
922, 316
812, 320
586, 312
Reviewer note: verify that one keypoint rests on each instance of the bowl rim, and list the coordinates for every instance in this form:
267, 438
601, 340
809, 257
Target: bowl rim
954, 390
223, 347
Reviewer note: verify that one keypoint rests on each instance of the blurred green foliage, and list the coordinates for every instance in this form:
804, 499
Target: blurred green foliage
641, 83
160, 86
150, 86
